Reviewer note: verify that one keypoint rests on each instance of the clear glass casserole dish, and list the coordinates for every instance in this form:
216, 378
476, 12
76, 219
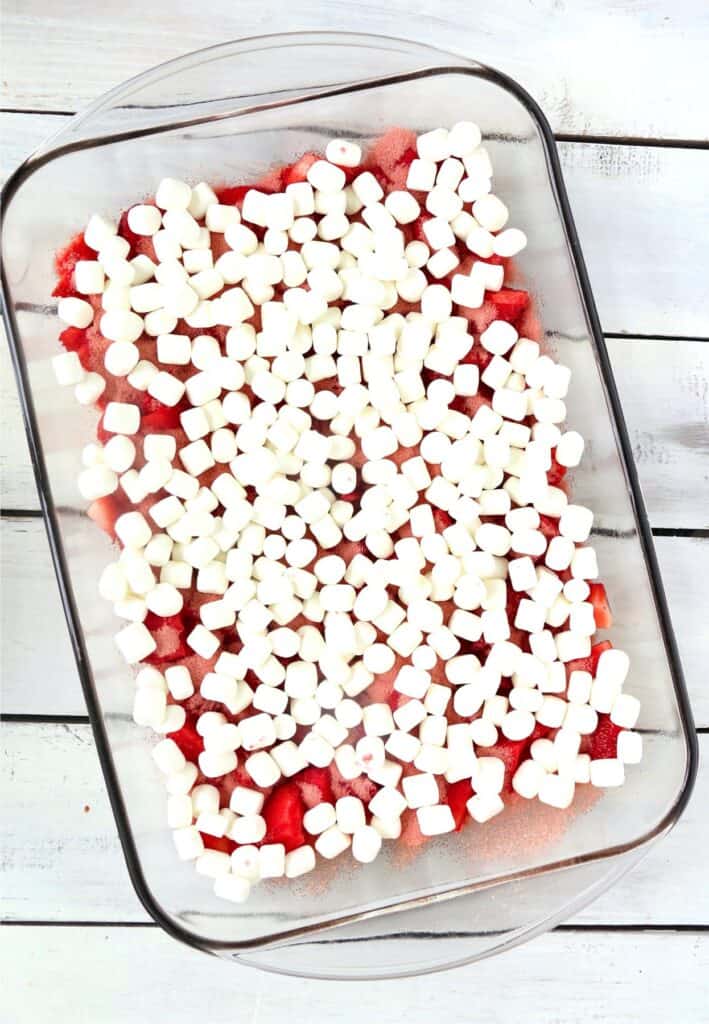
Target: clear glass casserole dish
227, 114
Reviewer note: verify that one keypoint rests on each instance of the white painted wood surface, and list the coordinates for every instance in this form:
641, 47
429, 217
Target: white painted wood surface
28, 574
619, 68
595, 66
126, 975
71, 869
119, 975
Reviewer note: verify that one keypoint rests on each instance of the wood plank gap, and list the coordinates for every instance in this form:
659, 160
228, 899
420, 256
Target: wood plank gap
37, 111
20, 719
20, 513
573, 929
627, 336
678, 531
632, 140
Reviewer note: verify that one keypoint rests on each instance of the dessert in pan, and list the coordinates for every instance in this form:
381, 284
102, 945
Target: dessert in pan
360, 599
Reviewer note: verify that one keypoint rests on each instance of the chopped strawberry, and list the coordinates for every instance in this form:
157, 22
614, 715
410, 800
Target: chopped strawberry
283, 812
509, 303
161, 419
220, 843
232, 195
549, 527
604, 741
298, 171
457, 795
469, 404
481, 318
74, 339
105, 511
168, 634
65, 262
478, 356
601, 609
395, 700
511, 752
314, 786
415, 230
597, 650
188, 740
272, 181
441, 519
390, 156
588, 664
557, 472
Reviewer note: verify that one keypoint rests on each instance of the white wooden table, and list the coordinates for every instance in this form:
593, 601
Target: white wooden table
625, 85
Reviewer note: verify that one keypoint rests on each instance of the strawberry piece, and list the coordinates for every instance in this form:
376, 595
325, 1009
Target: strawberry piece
457, 795
479, 319
442, 519
188, 740
168, 634
74, 339
65, 262
272, 181
601, 610
220, 843
588, 664
105, 511
283, 812
557, 472
232, 195
298, 171
314, 786
596, 651
469, 404
478, 356
390, 156
415, 231
361, 787
604, 741
509, 303
163, 418
512, 752
549, 527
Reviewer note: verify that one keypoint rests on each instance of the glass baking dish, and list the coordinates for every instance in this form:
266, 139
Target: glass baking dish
226, 114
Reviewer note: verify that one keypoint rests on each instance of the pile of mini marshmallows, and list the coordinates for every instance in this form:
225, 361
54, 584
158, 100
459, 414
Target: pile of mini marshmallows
267, 564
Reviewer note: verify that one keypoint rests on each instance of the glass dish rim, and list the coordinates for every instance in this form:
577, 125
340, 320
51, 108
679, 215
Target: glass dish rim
48, 153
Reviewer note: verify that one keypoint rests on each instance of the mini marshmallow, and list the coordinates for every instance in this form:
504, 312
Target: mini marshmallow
76, 312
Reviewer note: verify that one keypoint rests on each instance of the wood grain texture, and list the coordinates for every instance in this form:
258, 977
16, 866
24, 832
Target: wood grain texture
596, 66
28, 687
121, 975
664, 391
72, 868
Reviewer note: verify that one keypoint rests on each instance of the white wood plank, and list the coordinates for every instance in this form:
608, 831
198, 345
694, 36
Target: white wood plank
55, 780
31, 596
115, 975
20, 134
38, 667
639, 211
593, 66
